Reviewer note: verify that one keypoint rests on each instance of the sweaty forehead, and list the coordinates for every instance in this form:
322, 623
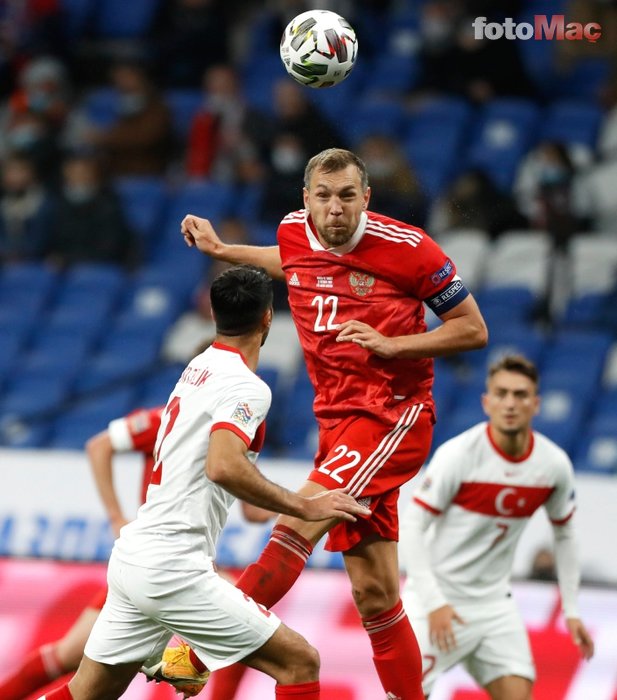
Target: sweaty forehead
336, 180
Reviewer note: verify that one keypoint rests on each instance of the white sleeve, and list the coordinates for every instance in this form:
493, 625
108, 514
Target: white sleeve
415, 557
120, 435
568, 570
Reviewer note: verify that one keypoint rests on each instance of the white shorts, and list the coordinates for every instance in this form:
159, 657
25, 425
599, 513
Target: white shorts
492, 643
144, 607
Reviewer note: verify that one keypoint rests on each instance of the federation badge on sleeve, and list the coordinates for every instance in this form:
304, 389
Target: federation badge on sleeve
242, 414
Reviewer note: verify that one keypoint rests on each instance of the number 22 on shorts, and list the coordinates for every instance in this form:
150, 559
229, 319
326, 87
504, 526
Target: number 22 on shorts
341, 452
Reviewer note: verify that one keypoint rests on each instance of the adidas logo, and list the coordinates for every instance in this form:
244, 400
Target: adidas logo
294, 281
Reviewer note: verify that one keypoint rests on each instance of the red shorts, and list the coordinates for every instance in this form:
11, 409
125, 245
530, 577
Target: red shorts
373, 459
98, 600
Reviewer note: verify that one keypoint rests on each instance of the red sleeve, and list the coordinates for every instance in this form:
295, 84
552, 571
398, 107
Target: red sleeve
143, 426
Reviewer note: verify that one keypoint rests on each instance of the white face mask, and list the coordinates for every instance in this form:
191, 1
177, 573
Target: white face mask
79, 194
287, 160
129, 104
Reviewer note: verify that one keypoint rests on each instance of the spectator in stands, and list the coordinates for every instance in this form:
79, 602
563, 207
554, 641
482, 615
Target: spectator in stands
35, 115
88, 223
184, 23
24, 211
547, 194
454, 60
294, 113
283, 180
227, 137
139, 141
395, 189
543, 566
473, 201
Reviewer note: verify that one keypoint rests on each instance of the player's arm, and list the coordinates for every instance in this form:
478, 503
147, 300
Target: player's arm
100, 453
462, 329
416, 563
199, 232
228, 466
568, 576
255, 514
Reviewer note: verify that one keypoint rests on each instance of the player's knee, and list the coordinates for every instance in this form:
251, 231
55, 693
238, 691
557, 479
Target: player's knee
373, 597
306, 664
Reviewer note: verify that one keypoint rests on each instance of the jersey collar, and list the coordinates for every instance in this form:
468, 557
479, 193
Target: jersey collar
503, 454
341, 249
228, 348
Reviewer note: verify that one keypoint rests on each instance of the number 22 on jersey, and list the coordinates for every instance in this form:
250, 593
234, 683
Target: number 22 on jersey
326, 313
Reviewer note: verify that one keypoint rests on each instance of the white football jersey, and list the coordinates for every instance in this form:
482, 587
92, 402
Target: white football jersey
483, 499
178, 525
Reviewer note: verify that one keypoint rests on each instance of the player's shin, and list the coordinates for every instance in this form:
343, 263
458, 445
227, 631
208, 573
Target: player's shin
39, 668
300, 691
396, 654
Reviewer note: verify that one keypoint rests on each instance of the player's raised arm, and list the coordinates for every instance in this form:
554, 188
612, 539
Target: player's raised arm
200, 233
228, 466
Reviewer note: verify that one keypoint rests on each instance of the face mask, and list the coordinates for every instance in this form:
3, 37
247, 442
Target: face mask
287, 160
23, 137
380, 167
79, 194
39, 100
131, 104
553, 175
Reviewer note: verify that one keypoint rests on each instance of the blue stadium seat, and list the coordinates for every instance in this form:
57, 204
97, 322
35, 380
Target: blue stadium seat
183, 104
376, 116
597, 452
29, 278
101, 106
258, 79
297, 421
26, 397
117, 19
335, 104
143, 201
392, 73
587, 311
572, 122
24, 434
156, 388
436, 131
505, 131
76, 16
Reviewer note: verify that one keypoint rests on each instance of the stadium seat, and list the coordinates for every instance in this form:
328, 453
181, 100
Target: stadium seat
468, 248
183, 104
600, 182
519, 259
593, 260
101, 106
77, 16
282, 335
258, 79
143, 201
32, 278
116, 19
26, 397
572, 122
597, 452
505, 131
376, 116
24, 434
507, 305
392, 73
156, 388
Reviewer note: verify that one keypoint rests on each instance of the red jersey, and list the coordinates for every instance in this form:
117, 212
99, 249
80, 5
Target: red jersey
137, 432
381, 277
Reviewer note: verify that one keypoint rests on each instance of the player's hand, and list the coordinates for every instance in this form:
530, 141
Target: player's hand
333, 504
440, 627
117, 523
366, 337
199, 232
580, 636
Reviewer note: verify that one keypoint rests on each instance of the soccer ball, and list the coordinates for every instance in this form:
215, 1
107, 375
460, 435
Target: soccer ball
319, 48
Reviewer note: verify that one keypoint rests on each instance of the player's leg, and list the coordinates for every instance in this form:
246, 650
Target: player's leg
372, 566
269, 578
509, 688
51, 661
502, 662
96, 681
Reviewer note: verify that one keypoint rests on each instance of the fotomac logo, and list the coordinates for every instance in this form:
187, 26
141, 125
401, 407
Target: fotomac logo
543, 27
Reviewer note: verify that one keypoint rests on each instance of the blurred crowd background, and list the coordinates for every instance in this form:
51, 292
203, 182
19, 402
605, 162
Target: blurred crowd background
118, 118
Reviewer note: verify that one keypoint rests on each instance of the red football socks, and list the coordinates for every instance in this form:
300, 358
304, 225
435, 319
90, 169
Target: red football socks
301, 691
396, 654
39, 668
62, 693
266, 581
278, 566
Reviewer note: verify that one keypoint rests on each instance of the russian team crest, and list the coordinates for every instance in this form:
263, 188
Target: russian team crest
361, 283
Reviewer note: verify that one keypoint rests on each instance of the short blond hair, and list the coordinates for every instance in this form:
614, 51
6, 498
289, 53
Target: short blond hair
332, 160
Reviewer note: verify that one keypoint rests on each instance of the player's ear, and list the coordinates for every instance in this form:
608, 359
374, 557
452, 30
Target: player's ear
367, 198
305, 197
